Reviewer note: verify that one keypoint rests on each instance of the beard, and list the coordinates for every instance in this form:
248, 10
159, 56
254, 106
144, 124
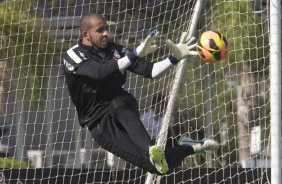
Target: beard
99, 44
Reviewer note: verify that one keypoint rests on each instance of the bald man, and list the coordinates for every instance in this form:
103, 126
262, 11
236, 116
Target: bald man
95, 71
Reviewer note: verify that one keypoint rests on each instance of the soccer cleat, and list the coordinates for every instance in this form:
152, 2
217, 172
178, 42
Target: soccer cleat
187, 141
198, 146
157, 158
206, 145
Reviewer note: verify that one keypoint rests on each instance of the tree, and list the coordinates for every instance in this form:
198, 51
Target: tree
26, 48
249, 60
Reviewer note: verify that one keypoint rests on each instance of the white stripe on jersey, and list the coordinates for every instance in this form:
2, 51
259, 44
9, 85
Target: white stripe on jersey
73, 55
68, 65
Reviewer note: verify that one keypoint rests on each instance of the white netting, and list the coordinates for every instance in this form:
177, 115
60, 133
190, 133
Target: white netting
228, 101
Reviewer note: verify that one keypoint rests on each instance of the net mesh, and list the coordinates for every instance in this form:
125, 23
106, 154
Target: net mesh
228, 101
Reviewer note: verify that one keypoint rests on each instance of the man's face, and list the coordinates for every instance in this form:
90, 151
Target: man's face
98, 36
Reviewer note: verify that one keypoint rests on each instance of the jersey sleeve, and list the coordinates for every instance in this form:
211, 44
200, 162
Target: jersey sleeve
142, 67
75, 62
139, 66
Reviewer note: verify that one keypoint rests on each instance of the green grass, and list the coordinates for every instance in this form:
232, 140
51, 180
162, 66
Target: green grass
9, 162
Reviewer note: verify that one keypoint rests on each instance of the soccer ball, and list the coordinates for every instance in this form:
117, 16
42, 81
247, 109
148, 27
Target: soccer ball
212, 46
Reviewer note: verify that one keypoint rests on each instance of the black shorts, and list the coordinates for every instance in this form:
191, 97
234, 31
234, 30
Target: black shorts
122, 133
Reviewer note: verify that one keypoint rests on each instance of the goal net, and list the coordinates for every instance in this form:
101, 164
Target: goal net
229, 101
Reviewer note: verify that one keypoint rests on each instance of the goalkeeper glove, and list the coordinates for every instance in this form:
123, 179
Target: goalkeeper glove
182, 49
145, 47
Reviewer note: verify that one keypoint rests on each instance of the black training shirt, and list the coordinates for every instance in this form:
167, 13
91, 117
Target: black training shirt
94, 78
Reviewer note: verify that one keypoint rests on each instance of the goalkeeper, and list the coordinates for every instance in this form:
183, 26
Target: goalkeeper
95, 71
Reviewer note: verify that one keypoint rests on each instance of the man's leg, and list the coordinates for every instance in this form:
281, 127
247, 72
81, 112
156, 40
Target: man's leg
110, 135
124, 109
175, 155
123, 134
186, 146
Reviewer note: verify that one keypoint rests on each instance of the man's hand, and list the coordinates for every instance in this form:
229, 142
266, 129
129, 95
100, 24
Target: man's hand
145, 47
182, 49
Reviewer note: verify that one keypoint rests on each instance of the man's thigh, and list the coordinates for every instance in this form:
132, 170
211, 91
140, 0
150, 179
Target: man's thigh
110, 135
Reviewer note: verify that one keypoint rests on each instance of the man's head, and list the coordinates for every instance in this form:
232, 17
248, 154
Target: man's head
94, 31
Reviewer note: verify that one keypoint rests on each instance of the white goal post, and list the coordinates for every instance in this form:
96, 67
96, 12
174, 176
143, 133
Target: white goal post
275, 89
236, 101
161, 141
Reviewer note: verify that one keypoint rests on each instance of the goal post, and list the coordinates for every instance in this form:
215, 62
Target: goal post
275, 89
161, 141
236, 101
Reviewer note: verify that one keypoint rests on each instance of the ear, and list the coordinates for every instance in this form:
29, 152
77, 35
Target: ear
85, 35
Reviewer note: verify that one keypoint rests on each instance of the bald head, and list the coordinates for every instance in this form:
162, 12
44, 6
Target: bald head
86, 21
